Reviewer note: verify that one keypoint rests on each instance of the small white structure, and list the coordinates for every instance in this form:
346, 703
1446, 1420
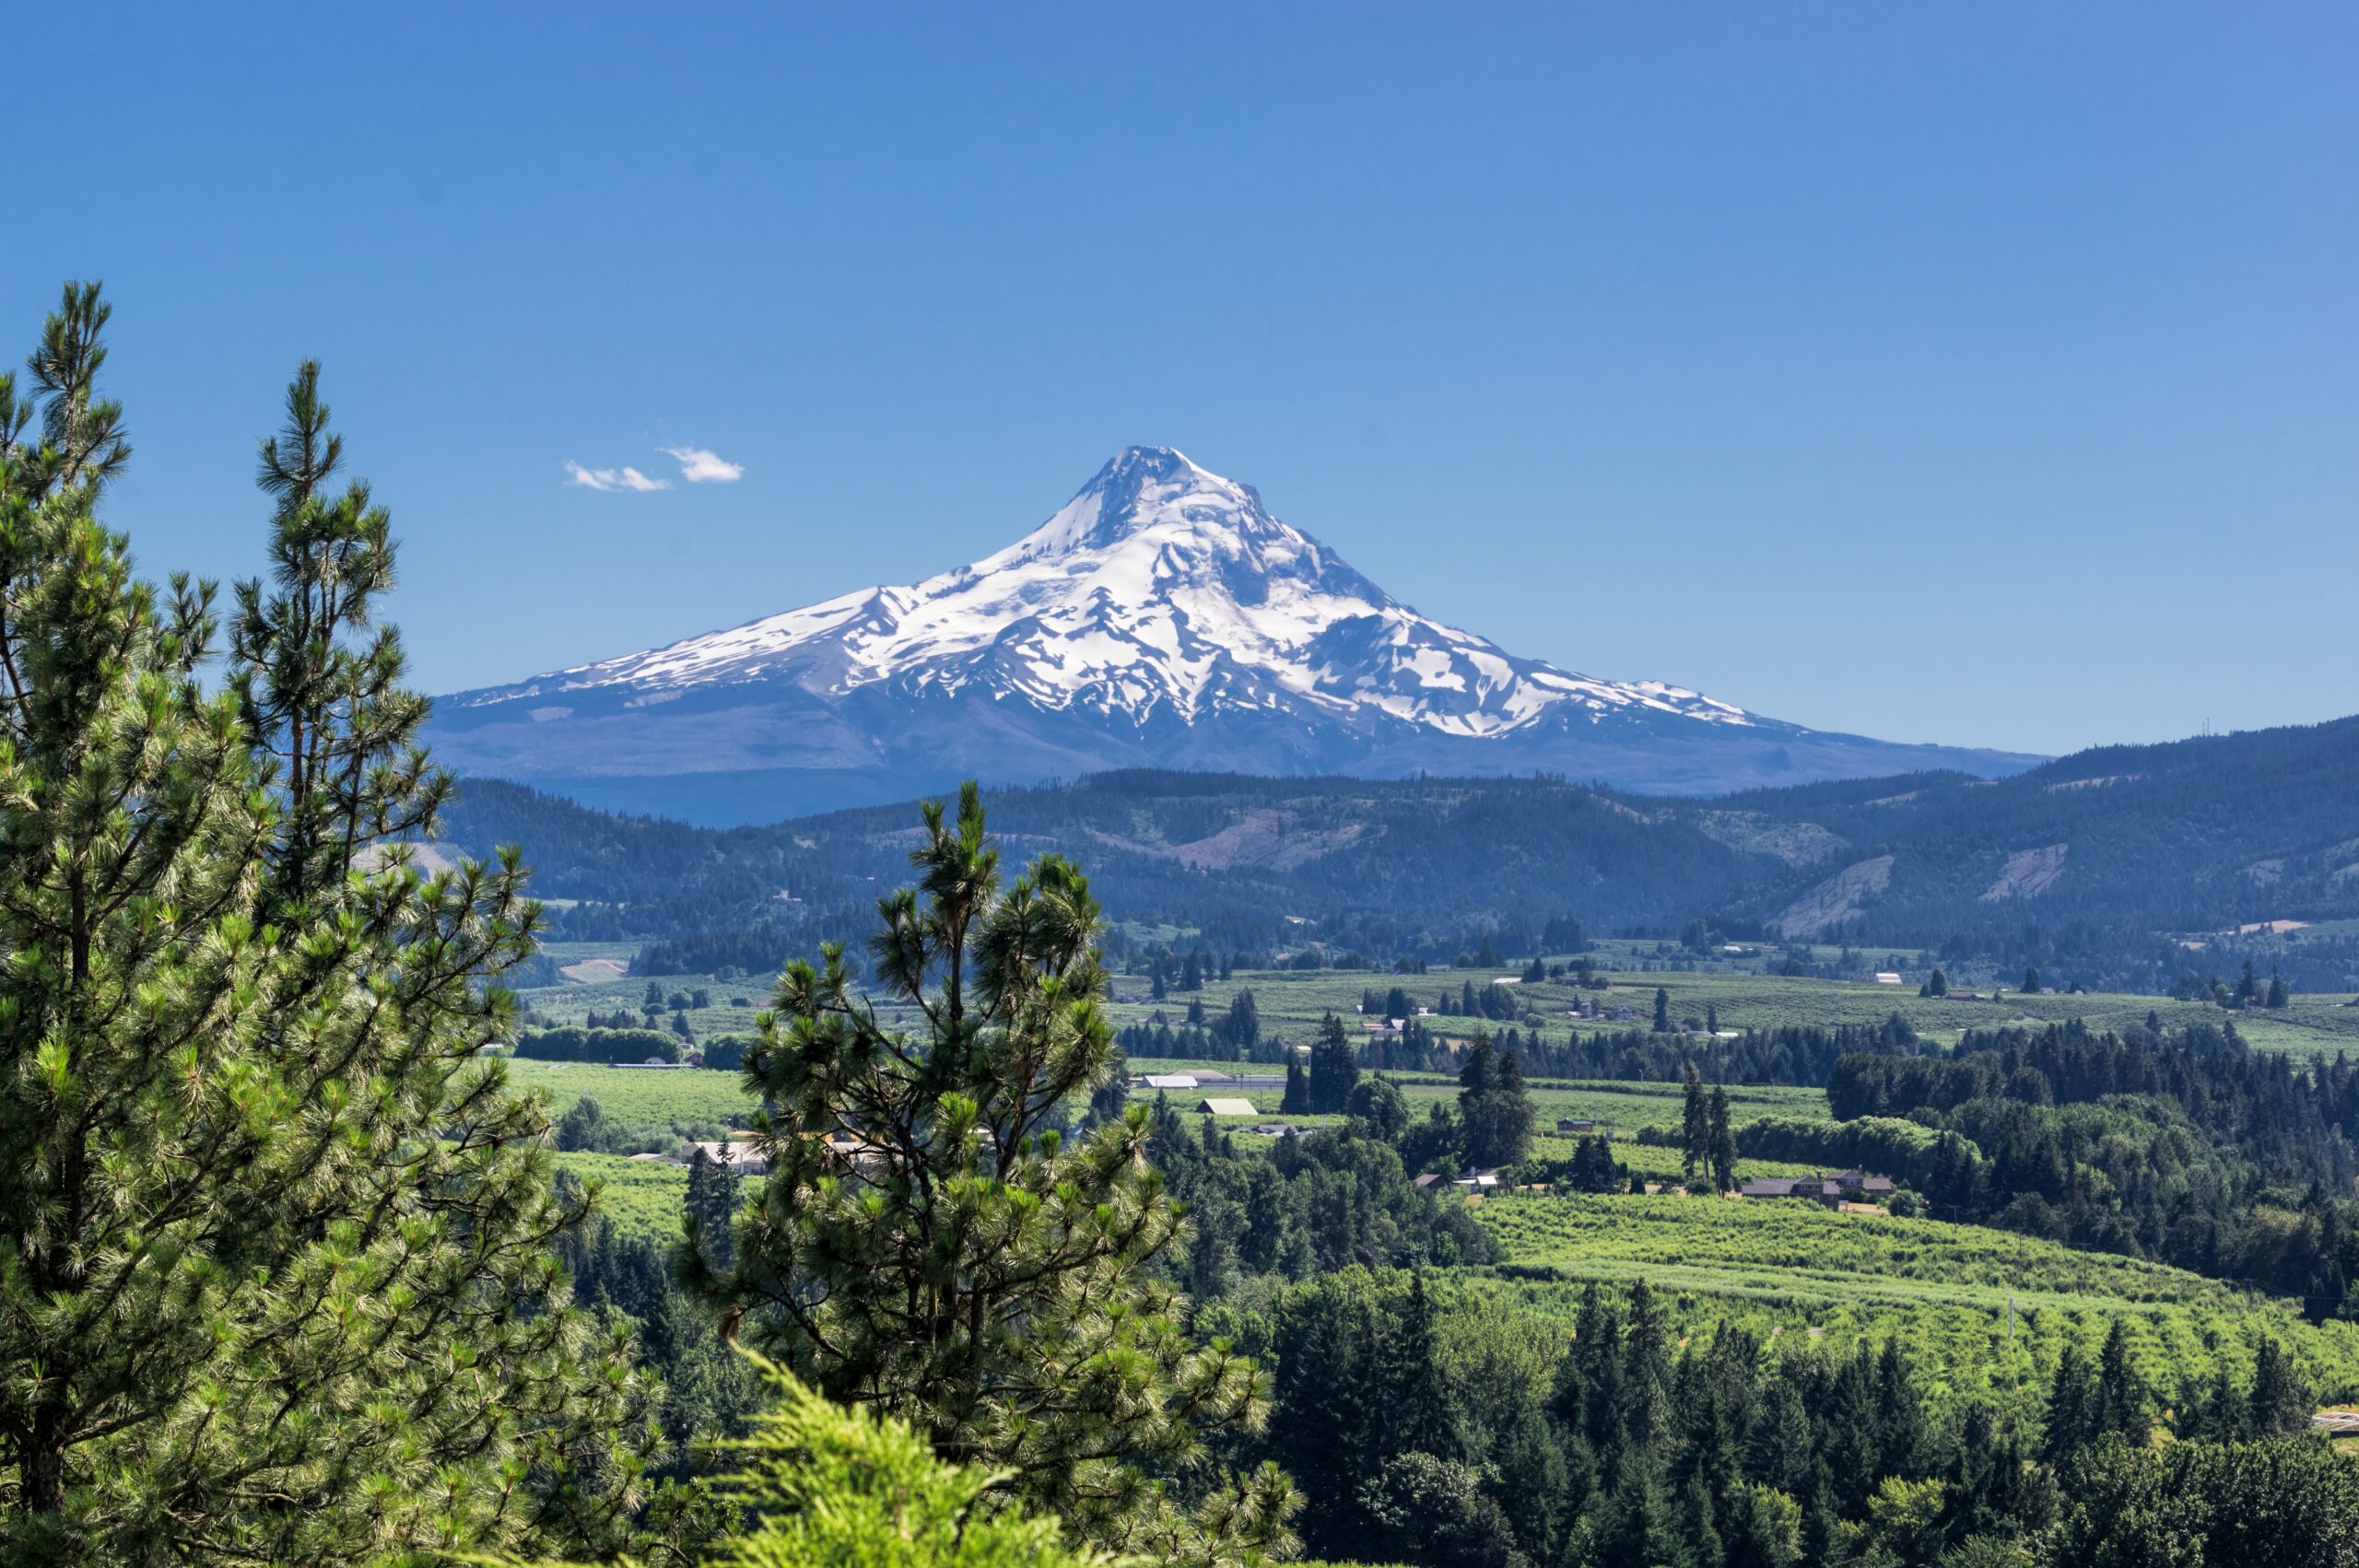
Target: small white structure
1226, 1107
1886, 977
738, 1156
1171, 1080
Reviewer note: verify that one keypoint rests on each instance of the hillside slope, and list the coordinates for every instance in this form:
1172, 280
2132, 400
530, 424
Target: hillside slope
2111, 850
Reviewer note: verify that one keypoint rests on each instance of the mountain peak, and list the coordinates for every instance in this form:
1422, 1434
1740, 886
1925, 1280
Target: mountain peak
1162, 594
1140, 489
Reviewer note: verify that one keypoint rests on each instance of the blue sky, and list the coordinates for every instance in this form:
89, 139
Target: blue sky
1987, 374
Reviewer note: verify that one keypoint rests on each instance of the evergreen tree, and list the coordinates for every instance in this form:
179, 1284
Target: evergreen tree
1334, 1070
824, 1485
1663, 1010
2279, 997
2121, 1407
966, 1268
1296, 1100
2216, 1412
1694, 1123
1723, 1142
1242, 1027
1493, 1109
1417, 1401
2071, 1416
277, 1282
709, 1210
2280, 1402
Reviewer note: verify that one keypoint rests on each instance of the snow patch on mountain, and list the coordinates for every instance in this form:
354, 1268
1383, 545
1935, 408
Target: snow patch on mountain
1161, 589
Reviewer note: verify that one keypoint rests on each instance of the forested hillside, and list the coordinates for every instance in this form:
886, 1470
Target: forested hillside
2108, 862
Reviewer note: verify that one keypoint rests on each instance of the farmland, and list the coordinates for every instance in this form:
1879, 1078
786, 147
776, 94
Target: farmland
1783, 1268
638, 1198
689, 1101
1291, 1003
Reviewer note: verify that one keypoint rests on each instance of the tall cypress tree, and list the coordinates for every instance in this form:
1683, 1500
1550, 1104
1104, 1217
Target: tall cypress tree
278, 1234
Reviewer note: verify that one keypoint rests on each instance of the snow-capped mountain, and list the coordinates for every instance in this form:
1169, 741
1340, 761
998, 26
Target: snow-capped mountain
1162, 617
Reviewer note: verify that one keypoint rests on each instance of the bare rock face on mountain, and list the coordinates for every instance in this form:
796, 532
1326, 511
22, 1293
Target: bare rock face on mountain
1163, 617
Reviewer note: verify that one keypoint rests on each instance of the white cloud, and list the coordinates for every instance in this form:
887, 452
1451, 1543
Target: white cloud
698, 466
624, 478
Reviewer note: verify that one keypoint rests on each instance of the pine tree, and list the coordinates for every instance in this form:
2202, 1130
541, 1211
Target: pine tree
1296, 1100
2071, 1417
709, 1210
1723, 1142
1417, 1411
2281, 1403
2279, 997
1334, 1069
966, 1268
277, 1236
1663, 1010
1694, 1123
2120, 1398
1901, 1434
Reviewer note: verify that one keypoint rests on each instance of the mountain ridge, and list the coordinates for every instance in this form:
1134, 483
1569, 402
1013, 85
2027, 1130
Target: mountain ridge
1162, 617
2213, 834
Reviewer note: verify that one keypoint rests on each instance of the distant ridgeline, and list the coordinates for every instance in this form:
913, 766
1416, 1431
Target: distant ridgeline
2096, 865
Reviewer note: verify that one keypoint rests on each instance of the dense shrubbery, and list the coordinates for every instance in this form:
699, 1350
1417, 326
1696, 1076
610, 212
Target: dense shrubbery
1883, 1145
608, 1046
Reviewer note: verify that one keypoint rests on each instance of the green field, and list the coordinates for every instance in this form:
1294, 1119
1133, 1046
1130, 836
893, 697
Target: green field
1291, 1003
1793, 1268
639, 1199
572, 1002
689, 1101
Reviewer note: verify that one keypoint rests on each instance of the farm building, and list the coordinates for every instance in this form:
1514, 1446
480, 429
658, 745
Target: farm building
1170, 1081
1213, 1106
1823, 1188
